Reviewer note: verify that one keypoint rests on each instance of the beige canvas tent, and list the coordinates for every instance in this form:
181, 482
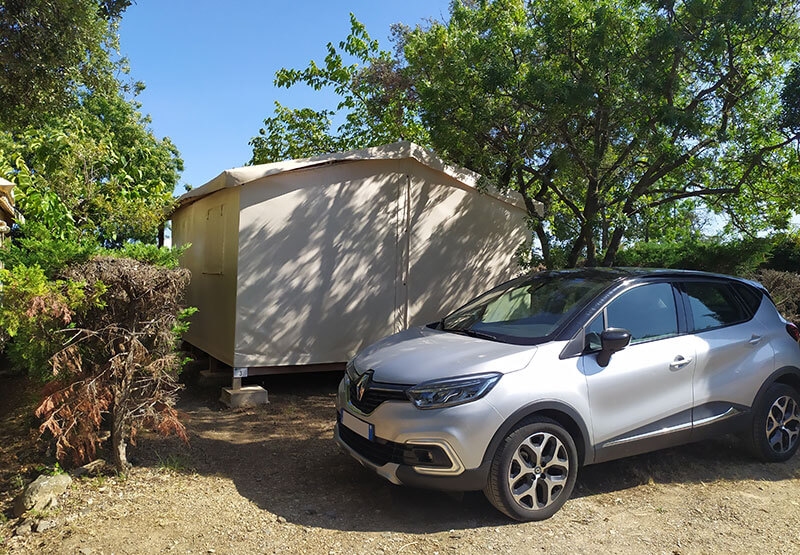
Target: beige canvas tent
306, 261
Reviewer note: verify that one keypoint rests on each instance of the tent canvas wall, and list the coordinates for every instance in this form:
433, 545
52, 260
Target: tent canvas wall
305, 262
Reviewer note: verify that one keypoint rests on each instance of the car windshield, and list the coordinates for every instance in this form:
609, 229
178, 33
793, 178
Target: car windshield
527, 308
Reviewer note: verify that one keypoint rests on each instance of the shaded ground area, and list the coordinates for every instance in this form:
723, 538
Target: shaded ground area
272, 480
20, 456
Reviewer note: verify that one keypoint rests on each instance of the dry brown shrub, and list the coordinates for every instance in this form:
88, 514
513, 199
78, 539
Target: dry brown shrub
119, 364
784, 288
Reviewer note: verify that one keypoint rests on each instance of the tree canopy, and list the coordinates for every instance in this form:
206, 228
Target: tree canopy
49, 50
606, 110
71, 138
628, 119
375, 104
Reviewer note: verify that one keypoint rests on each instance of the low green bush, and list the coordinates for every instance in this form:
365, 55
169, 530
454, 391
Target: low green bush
34, 245
736, 257
166, 257
34, 308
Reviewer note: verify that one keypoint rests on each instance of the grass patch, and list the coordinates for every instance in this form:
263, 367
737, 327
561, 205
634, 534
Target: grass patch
53, 470
175, 463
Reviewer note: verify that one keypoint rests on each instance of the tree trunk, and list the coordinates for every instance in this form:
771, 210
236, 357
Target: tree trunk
544, 241
119, 445
613, 246
120, 424
575, 252
591, 254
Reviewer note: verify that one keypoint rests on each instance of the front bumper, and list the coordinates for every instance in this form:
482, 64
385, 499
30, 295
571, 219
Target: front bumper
407, 475
463, 433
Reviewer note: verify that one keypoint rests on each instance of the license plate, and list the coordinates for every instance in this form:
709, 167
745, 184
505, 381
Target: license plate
364, 429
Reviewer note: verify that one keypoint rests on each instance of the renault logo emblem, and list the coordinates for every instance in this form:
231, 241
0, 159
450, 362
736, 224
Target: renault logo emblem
363, 384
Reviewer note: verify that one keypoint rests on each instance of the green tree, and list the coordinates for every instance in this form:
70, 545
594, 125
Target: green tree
98, 169
50, 50
374, 104
608, 111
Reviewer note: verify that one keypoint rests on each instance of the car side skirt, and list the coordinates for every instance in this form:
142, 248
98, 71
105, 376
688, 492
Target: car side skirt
703, 422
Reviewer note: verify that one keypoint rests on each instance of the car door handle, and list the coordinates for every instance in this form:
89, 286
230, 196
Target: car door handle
754, 340
679, 362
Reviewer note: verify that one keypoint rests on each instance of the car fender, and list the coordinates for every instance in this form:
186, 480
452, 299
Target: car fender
585, 448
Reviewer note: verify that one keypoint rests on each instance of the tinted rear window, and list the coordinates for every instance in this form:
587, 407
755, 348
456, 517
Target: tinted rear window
750, 295
713, 305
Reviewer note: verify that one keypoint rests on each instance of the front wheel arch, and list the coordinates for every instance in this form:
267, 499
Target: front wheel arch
563, 414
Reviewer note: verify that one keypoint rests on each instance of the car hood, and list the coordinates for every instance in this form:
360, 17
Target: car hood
421, 354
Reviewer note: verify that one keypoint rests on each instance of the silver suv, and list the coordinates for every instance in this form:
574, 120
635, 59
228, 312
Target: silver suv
514, 391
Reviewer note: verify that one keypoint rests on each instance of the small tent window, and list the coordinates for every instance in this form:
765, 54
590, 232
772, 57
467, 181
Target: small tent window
214, 240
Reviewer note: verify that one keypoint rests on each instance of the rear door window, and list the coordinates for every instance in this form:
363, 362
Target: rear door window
750, 295
648, 312
713, 305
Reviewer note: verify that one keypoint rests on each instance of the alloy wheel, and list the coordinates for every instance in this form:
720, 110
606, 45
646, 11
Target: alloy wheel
783, 424
538, 471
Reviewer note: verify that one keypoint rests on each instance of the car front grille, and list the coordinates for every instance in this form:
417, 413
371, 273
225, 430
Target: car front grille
378, 452
375, 395
382, 451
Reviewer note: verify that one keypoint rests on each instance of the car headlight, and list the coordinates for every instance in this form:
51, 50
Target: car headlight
451, 392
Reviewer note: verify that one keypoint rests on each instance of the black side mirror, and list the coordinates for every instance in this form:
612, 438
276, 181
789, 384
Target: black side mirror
612, 340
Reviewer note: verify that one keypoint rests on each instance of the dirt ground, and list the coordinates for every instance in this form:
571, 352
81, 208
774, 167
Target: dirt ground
271, 480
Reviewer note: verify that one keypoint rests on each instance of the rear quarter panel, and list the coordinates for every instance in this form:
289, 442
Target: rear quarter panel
786, 349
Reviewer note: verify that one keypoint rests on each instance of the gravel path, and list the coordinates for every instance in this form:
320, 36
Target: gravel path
271, 480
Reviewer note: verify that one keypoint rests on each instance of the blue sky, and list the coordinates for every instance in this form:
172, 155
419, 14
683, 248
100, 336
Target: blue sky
209, 65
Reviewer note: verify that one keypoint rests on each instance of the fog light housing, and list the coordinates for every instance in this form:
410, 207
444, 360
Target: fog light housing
426, 455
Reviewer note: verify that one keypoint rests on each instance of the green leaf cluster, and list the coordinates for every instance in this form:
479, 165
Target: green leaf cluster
50, 50
375, 104
612, 112
83, 157
98, 170
34, 307
737, 256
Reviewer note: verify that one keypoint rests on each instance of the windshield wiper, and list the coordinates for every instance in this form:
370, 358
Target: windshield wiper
473, 333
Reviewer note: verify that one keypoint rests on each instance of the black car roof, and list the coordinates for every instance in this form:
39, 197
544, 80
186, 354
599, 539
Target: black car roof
621, 272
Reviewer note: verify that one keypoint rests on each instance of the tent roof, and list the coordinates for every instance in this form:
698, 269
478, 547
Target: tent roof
394, 151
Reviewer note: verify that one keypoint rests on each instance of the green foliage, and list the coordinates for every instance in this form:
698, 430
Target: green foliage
375, 99
785, 253
743, 256
610, 113
50, 50
53, 470
167, 257
291, 134
182, 324
98, 170
33, 308
784, 288
736, 257
84, 160
175, 463
36, 246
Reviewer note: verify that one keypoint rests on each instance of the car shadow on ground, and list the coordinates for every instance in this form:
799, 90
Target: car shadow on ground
282, 457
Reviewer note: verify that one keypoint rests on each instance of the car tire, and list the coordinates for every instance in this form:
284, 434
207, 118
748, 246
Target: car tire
533, 471
775, 432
